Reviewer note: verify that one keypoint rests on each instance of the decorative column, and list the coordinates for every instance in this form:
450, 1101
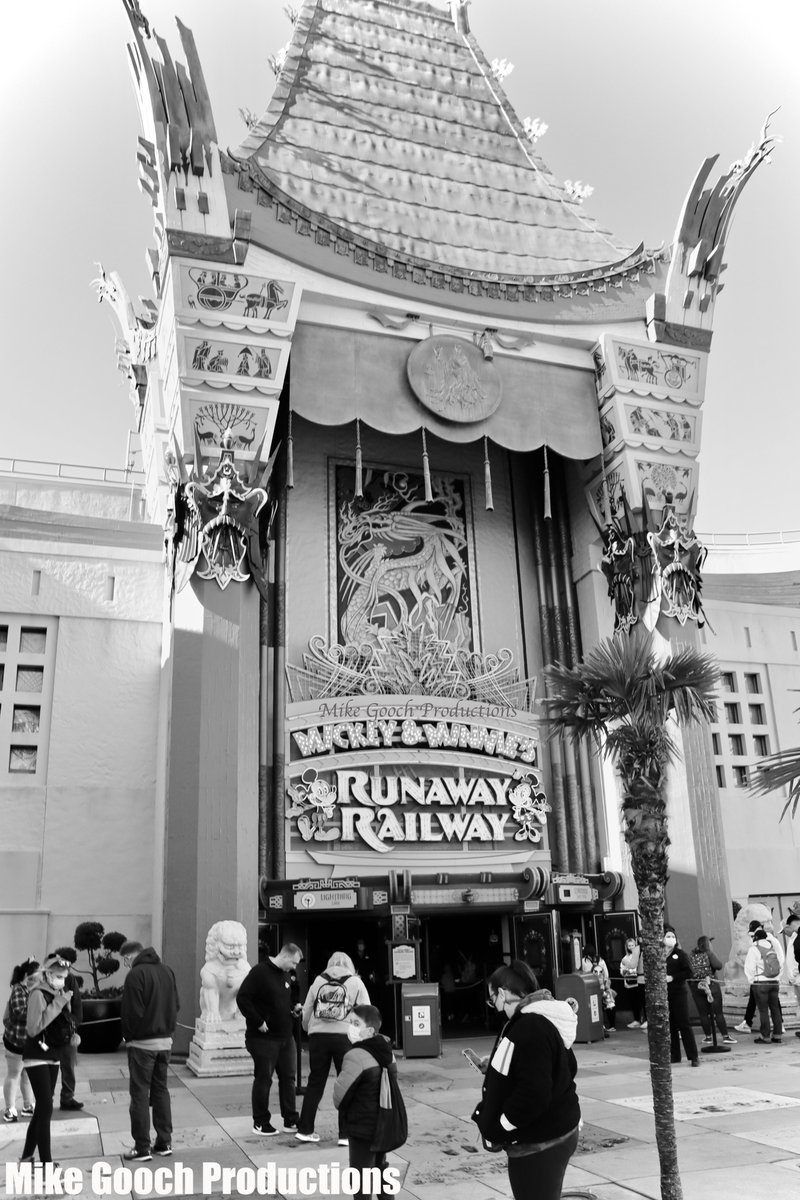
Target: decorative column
221, 334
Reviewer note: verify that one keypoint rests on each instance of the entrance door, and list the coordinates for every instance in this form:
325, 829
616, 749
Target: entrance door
459, 952
534, 936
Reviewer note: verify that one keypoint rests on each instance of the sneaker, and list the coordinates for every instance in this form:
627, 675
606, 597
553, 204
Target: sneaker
343, 1142
643, 1025
137, 1155
162, 1151
634, 1025
10, 1116
777, 1041
695, 1062
290, 1126
759, 1041
708, 1038
265, 1130
307, 1137
743, 1027
728, 1040
71, 1105
27, 1111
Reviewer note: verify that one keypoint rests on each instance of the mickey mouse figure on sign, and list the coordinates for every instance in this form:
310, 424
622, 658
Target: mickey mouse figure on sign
313, 803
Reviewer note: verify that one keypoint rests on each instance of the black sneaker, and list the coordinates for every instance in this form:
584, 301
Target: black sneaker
71, 1105
162, 1151
137, 1155
264, 1130
290, 1126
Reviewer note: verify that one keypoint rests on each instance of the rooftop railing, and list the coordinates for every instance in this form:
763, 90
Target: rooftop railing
70, 471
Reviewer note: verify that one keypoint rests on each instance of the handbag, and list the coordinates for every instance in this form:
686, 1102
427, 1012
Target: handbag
391, 1128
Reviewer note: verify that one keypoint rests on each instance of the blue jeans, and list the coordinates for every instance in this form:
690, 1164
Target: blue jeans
769, 1005
270, 1055
149, 1070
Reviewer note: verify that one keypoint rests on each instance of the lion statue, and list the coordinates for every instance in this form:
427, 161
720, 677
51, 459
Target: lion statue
224, 972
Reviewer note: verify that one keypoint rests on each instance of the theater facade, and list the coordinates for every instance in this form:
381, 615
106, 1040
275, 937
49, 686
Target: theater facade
394, 387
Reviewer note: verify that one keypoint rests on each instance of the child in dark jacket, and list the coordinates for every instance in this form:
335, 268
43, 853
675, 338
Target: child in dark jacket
356, 1092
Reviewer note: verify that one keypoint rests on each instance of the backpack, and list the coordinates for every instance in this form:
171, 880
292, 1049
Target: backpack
331, 1000
391, 1128
701, 965
770, 964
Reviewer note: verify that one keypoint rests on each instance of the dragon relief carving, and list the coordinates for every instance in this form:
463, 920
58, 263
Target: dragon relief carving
653, 569
218, 522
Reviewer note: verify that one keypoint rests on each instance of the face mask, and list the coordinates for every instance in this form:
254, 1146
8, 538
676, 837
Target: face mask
669, 943
56, 982
354, 1033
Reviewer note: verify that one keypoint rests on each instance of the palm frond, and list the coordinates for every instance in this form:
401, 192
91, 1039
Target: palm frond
777, 771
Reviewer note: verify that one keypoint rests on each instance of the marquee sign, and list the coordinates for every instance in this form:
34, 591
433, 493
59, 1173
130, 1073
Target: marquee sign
380, 809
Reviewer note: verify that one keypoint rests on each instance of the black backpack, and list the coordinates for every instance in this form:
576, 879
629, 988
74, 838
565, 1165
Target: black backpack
331, 1002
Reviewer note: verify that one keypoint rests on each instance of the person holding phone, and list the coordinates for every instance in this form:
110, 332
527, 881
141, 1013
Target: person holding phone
48, 1028
529, 1105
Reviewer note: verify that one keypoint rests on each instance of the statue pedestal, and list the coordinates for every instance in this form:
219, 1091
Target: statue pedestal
217, 1048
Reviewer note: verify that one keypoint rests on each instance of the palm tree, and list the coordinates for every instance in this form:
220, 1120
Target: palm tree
776, 771
621, 699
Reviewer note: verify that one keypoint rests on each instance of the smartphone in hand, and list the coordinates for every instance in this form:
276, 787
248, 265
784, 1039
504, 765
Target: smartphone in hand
475, 1061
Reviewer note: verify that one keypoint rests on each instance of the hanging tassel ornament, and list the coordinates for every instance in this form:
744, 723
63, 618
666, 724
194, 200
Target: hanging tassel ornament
548, 512
289, 454
359, 489
487, 476
607, 512
426, 468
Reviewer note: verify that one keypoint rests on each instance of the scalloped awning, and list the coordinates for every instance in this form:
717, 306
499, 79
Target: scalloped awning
338, 375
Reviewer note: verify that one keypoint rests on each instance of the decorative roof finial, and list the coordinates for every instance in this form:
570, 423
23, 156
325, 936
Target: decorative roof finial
458, 11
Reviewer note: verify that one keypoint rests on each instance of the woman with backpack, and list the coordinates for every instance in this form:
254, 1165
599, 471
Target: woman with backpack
762, 966
326, 1018
48, 1028
706, 991
529, 1106
14, 1035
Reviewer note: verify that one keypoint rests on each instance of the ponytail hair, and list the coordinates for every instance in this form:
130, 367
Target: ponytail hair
29, 967
518, 978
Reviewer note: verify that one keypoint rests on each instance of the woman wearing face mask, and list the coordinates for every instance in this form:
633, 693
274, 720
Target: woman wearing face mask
48, 1028
14, 1039
529, 1106
679, 972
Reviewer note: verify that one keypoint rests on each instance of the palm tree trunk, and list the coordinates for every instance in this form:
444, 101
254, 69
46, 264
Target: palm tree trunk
646, 834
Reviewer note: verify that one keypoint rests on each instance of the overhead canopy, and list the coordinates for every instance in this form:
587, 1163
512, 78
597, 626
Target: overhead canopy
338, 375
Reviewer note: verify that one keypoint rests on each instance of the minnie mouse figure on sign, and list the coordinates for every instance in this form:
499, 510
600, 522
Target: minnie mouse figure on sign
530, 808
314, 802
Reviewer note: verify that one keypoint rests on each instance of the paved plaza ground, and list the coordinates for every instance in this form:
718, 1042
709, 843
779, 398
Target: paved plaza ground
738, 1122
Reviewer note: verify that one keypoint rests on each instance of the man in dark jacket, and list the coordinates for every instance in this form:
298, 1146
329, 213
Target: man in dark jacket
356, 1092
149, 1015
265, 1001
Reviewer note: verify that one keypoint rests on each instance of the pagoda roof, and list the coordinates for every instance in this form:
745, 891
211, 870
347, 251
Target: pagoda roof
388, 129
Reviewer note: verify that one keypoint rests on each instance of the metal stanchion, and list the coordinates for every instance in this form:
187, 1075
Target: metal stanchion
297, 1034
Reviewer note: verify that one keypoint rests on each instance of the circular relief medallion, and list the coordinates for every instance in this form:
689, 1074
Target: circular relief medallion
452, 379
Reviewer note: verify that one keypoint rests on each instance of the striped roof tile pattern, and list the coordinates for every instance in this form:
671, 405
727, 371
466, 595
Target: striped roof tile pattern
389, 122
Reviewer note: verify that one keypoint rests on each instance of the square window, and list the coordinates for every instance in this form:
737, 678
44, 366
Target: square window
736, 743
26, 719
752, 684
32, 641
715, 743
30, 679
728, 681
22, 760
740, 777
720, 776
761, 743
733, 714
3, 637
758, 714
793, 636
2, 674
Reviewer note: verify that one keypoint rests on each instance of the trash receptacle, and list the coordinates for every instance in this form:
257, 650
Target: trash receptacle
585, 990
421, 1020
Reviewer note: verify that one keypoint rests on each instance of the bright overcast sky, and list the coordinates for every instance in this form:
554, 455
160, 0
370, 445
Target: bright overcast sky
635, 94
